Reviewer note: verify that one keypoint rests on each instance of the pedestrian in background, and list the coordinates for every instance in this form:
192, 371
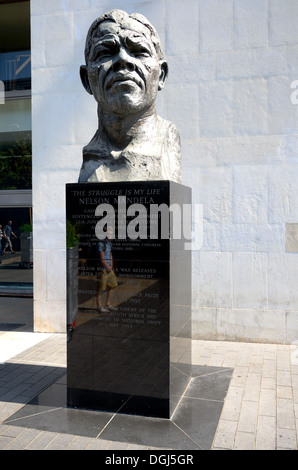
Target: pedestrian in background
7, 231
1, 236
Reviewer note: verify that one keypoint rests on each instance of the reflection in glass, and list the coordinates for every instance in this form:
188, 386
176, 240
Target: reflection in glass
15, 145
16, 268
15, 70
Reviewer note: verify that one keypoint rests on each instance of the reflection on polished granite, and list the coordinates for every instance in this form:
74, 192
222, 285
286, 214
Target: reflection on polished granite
15, 280
191, 427
124, 358
16, 314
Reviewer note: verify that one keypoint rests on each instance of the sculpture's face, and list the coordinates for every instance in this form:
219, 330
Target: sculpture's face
124, 70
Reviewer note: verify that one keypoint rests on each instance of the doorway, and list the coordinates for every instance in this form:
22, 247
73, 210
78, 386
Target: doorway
16, 271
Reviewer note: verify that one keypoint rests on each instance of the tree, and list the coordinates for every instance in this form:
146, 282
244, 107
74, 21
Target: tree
16, 169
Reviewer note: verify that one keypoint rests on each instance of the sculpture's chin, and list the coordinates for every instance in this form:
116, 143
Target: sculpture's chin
127, 97
126, 104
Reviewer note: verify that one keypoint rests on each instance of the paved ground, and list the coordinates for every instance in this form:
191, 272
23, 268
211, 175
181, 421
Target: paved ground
261, 406
260, 410
243, 396
11, 269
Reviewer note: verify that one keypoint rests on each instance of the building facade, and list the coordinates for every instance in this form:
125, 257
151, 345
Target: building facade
233, 68
15, 134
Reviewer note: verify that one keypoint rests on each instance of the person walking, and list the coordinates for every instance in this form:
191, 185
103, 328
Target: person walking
7, 232
1, 236
106, 279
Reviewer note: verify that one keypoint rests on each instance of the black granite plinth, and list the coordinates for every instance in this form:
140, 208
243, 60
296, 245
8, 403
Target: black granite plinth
136, 358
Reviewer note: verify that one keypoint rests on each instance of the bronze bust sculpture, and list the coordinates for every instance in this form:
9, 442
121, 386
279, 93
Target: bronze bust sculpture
125, 68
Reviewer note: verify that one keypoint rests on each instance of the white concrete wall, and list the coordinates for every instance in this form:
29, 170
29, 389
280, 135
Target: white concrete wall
232, 63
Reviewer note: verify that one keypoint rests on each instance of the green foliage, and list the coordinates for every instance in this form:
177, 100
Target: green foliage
26, 228
16, 168
72, 238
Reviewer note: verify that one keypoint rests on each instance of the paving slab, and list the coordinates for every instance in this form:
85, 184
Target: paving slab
251, 406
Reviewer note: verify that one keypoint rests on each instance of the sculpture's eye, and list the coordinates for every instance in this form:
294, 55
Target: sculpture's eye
102, 53
142, 53
104, 50
137, 48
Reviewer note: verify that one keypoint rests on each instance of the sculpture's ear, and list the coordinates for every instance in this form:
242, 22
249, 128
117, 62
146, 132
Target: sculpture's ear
85, 79
164, 70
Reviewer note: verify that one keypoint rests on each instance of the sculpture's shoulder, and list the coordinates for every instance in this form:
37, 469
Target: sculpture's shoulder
167, 128
154, 155
96, 148
171, 151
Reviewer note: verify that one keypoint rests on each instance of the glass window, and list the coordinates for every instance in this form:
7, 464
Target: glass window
15, 70
14, 26
16, 262
15, 145
16, 252
15, 108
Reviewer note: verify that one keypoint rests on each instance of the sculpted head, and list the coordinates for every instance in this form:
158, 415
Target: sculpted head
125, 67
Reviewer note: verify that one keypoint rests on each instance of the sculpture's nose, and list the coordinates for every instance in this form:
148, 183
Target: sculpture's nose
123, 60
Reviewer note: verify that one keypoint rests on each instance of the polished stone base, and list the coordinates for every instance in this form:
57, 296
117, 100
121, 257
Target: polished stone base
125, 360
192, 426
